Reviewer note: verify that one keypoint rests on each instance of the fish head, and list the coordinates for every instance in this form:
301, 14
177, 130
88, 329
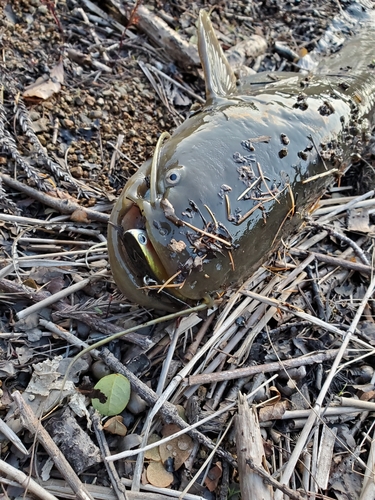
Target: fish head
165, 243
168, 226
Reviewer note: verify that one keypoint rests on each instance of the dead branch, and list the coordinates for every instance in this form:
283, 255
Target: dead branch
118, 487
61, 206
293, 495
334, 261
250, 448
25, 481
208, 378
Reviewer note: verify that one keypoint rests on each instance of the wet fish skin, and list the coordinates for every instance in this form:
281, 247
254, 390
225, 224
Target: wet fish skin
274, 132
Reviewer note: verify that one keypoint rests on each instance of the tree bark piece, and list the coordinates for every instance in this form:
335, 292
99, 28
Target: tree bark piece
164, 36
178, 49
250, 447
325, 456
33, 425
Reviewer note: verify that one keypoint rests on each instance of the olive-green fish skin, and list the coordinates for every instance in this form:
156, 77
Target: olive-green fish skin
274, 133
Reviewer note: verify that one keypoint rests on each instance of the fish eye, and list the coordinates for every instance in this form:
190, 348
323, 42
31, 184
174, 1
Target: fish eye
142, 239
173, 177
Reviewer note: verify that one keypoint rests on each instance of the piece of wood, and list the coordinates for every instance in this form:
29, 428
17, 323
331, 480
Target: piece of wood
334, 261
61, 489
275, 366
25, 481
250, 447
177, 49
33, 425
66, 206
327, 443
368, 485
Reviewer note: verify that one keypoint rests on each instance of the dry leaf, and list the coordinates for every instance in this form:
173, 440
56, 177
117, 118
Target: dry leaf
144, 479
55, 284
272, 412
79, 215
179, 448
115, 425
43, 88
213, 476
153, 454
31, 283
274, 398
169, 212
61, 195
158, 476
368, 396
359, 220
170, 429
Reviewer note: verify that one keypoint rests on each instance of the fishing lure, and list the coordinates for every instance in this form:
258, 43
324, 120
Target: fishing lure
238, 175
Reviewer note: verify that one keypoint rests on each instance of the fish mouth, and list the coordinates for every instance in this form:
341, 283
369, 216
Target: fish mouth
136, 266
141, 255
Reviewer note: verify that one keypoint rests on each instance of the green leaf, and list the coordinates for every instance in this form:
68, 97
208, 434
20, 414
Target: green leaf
116, 390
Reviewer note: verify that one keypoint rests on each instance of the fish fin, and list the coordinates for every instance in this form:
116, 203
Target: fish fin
219, 77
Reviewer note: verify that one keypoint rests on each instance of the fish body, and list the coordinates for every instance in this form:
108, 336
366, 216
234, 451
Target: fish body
240, 174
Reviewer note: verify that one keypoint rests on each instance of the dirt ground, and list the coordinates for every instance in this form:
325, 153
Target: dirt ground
86, 93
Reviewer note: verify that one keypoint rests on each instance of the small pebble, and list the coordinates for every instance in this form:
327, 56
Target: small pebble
68, 123
122, 91
78, 101
96, 113
136, 404
85, 119
77, 172
43, 9
90, 101
129, 442
99, 368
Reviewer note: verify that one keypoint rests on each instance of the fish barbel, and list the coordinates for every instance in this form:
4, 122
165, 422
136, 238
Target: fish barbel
239, 174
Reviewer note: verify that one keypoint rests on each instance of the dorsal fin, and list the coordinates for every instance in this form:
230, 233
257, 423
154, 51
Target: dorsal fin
219, 77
